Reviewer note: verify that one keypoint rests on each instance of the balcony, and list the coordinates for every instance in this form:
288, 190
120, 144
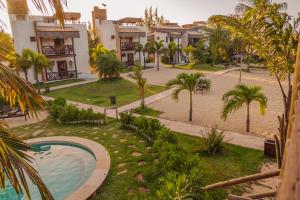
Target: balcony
58, 50
128, 45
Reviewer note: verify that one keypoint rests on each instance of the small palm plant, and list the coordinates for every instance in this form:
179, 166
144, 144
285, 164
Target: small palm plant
240, 95
187, 82
139, 48
141, 82
39, 63
22, 64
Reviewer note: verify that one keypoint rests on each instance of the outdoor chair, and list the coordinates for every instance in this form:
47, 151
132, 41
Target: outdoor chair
8, 112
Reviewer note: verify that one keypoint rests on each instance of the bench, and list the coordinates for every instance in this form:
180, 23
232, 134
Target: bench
8, 112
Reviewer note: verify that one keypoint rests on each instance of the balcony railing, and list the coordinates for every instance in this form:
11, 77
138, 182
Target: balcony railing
128, 45
51, 76
58, 50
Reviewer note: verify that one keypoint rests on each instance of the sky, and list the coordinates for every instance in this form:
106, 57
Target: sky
180, 11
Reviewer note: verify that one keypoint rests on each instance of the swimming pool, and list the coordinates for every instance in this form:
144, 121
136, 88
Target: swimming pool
64, 168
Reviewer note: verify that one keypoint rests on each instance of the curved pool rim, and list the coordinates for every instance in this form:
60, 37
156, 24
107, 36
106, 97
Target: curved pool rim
101, 155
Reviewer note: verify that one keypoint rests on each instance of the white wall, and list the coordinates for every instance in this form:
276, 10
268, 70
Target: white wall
105, 30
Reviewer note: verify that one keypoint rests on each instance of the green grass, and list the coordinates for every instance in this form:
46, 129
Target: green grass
236, 162
147, 111
58, 83
200, 67
98, 93
126, 69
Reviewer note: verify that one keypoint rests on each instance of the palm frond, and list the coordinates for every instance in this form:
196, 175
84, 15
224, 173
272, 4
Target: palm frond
231, 106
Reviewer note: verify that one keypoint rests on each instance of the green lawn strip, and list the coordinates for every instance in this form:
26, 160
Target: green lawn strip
58, 83
98, 93
200, 67
237, 161
147, 111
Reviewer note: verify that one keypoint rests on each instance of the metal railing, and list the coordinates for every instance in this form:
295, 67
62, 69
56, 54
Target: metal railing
51, 76
58, 50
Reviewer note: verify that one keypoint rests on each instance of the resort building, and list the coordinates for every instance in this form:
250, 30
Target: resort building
120, 35
65, 47
185, 35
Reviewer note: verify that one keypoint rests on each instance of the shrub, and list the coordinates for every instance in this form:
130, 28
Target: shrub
56, 106
108, 66
213, 142
165, 59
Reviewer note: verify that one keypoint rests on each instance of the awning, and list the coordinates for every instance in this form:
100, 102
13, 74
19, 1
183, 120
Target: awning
57, 32
174, 34
130, 20
194, 34
131, 32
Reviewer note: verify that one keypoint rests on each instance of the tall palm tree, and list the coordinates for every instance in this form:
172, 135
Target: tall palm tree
22, 64
157, 48
141, 82
39, 63
188, 50
139, 48
240, 95
187, 82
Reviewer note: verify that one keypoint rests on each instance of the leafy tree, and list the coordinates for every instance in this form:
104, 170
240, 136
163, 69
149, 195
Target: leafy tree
173, 48
188, 51
7, 46
39, 63
200, 53
23, 64
139, 48
141, 82
108, 65
152, 18
240, 95
187, 82
95, 52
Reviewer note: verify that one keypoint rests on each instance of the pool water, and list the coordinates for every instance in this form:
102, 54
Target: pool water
63, 168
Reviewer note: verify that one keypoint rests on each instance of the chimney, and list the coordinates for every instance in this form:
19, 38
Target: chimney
99, 14
19, 8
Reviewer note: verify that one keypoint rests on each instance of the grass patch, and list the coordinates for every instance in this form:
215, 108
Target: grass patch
200, 67
147, 111
126, 69
98, 93
58, 83
236, 162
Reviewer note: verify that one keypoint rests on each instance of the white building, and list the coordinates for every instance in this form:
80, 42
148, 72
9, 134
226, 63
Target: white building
120, 35
185, 35
66, 48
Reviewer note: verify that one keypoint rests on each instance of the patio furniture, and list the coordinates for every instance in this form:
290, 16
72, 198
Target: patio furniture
8, 112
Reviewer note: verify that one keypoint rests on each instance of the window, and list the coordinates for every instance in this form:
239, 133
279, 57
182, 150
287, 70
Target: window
32, 39
123, 55
113, 37
157, 38
59, 42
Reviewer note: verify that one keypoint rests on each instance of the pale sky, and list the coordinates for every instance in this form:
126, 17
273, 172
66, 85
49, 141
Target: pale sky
181, 11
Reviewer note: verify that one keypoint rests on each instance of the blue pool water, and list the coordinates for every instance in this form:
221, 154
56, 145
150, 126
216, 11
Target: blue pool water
63, 168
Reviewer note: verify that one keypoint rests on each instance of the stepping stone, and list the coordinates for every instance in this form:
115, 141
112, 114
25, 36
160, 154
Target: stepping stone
141, 163
37, 127
123, 140
96, 138
139, 177
50, 134
120, 165
93, 133
156, 160
102, 140
38, 132
122, 172
82, 131
120, 158
26, 128
115, 136
116, 151
112, 145
149, 148
130, 192
95, 128
104, 134
136, 154
143, 189
132, 146
141, 141
68, 132
134, 136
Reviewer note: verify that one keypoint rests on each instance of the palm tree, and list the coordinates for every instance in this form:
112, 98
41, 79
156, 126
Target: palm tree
39, 63
157, 48
187, 82
141, 82
22, 64
108, 65
96, 52
188, 50
139, 48
173, 48
240, 95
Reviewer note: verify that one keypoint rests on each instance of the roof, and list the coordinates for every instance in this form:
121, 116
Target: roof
57, 32
131, 32
194, 34
70, 16
130, 20
174, 34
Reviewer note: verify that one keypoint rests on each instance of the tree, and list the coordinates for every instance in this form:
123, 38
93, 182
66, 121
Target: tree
240, 95
141, 82
273, 36
152, 18
187, 82
108, 65
139, 48
158, 48
95, 52
23, 64
200, 53
188, 51
7, 47
39, 63
173, 48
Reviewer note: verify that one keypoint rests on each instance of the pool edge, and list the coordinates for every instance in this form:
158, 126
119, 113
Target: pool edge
98, 176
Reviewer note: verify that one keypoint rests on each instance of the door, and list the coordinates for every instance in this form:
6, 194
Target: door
62, 69
59, 46
130, 59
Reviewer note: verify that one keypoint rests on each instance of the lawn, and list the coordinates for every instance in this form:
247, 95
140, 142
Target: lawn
98, 93
58, 83
200, 67
121, 144
147, 111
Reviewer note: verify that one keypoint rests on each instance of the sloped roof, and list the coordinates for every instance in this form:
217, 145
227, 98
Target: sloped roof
131, 20
131, 32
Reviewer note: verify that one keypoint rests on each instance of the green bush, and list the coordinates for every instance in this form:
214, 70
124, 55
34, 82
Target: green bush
213, 142
165, 59
56, 106
108, 66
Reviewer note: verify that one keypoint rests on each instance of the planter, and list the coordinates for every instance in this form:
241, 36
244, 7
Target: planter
270, 148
